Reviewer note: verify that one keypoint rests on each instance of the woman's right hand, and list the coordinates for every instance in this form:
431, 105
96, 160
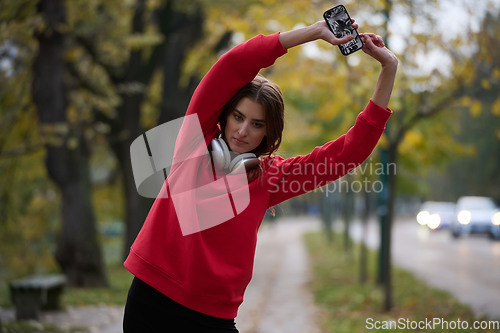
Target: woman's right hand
327, 35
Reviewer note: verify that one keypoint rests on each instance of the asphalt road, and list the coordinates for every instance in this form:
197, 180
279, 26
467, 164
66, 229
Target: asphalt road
468, 268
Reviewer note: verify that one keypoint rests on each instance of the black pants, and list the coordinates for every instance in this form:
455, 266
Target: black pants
149, 311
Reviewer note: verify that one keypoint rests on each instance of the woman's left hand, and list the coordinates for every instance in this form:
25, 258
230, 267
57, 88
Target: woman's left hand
374, 46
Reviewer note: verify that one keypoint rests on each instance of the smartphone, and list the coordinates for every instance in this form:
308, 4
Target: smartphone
340, 24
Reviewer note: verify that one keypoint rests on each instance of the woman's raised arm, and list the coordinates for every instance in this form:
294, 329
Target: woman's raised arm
374, 47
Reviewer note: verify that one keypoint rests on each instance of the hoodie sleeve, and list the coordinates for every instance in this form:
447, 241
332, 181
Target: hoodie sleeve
229, 74
287, 178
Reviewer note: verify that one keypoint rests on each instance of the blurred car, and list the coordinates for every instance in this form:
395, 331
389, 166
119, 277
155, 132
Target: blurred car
436, 214
476, 215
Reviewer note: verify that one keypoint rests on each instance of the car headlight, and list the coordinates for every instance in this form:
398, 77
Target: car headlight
422, 217
496, 218
464, 217
434, 221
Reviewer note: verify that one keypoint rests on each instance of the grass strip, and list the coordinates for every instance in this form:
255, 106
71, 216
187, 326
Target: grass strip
116, 294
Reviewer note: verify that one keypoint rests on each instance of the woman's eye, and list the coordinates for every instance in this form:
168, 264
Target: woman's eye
237, 117
258, 125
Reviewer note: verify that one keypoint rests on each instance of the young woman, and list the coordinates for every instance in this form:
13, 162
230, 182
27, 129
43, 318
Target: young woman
192, 279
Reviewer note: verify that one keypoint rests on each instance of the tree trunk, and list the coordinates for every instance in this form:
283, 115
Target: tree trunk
181, 31
347, 212
180, 36
363, 261
78, 252
386, 209
136, 206
327, 208
126, 127
391, 182
188, 29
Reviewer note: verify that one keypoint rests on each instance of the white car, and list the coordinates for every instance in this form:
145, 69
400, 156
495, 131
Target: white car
436, 214
476, 215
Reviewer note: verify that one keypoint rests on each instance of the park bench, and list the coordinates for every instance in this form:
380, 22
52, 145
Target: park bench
35, 293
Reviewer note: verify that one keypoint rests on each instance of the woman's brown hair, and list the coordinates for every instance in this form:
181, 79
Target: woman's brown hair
268, 94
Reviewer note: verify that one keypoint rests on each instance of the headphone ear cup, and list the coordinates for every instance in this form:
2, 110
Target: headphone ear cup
243, 162
220, 154
222, 158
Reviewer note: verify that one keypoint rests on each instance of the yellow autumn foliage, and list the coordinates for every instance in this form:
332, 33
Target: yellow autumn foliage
485, 84
495, 108
412, 141
476, 108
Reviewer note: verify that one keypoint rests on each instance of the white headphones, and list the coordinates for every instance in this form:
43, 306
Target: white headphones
223, 158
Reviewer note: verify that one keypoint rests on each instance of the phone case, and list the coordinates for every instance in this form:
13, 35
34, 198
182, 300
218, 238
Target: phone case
340, 24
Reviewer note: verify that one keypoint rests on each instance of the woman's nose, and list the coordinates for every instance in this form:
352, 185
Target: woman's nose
243, 130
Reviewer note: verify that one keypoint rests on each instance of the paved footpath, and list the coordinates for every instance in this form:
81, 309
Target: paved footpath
277, 300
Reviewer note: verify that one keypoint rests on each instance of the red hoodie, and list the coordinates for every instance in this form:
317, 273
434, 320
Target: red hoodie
208, 269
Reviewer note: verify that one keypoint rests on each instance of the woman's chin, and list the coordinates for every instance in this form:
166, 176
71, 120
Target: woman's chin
238, 150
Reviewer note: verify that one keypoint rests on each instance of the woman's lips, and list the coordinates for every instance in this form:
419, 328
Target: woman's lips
239, 142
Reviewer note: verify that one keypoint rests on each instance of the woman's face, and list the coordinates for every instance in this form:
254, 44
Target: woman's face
245, 126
